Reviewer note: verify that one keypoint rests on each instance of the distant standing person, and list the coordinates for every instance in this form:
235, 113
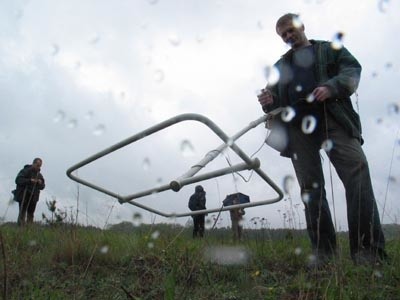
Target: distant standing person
29, 184
237, 218
198, 202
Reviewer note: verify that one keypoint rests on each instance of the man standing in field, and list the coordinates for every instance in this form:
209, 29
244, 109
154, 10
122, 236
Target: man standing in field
316, 82
198, 202
29, 184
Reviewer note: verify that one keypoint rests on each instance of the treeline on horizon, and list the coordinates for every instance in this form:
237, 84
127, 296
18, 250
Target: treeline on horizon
392, 231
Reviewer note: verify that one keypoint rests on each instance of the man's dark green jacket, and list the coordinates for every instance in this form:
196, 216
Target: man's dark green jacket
336, 69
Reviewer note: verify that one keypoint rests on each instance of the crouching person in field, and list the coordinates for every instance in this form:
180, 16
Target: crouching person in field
29, 184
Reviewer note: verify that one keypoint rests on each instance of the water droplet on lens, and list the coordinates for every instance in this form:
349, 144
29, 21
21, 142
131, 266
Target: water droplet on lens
150, 245
327, 145
60, 115
297, 251
174, 40
227, 255
95, 40
378, 274
152, 2
55, 50
308, 124
271, 74
260, 25
137, 219
99, 129
159, 76
89, 115
297, 22
299, 88
199, 39
146, 164
337, 41
393, 109
305, 197
73, 123
187, 148
32, 243
388, 65
288, 114
104, 249
230, 142
155, 235
288, 183
383, 5
310, 98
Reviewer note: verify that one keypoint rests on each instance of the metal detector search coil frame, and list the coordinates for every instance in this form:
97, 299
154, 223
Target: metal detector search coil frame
188, 177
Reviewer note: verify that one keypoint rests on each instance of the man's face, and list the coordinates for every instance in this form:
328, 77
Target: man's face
292, 35
37, 165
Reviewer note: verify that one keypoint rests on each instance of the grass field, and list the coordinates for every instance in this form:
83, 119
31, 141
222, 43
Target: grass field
163, 262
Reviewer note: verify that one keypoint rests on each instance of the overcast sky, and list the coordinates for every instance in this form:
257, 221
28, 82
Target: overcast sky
79, 76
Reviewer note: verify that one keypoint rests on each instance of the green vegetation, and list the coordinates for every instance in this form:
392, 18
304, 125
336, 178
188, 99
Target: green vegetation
163, 262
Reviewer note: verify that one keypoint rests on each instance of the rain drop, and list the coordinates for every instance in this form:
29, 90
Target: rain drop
260, 25
308, 124
299, 88
393, 109
60, 115
99, 130
310, 98
199, 39
95, 40
337, 41
55, 50
378, 274
187, 148
89, 115
32, 243
159, 75
271, 74
305, 197
297, 251
227, 255
288, 114
174, 40
383, 5
388, 65
104, 249
146, 164
150, 245
288, 183
73, 123
137, 219
297, 22
155, 235
152, 2
327, 145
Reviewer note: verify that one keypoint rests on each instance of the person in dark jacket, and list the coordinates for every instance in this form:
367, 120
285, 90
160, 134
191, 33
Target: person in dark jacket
197, 201
29, 183
316, 81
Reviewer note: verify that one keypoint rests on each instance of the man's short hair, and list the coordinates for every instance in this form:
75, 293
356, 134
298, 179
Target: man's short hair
289, 17
37, 159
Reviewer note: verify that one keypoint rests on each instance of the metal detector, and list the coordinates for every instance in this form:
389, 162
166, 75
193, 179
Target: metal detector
190, 176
